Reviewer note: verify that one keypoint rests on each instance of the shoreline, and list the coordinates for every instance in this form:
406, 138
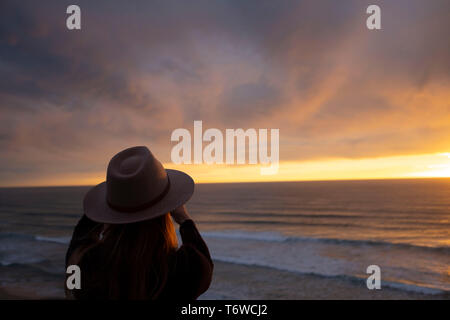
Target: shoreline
237, 282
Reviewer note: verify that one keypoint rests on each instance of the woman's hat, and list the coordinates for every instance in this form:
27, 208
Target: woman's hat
137, 188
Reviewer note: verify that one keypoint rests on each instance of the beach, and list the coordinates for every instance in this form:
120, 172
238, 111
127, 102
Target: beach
235, 282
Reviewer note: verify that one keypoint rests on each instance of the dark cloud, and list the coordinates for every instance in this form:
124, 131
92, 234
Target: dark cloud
136, 71
249, 101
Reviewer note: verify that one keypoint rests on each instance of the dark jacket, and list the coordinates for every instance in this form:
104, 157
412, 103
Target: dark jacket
190, 269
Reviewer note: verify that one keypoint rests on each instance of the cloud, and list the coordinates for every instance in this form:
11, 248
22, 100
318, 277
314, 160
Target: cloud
70, 99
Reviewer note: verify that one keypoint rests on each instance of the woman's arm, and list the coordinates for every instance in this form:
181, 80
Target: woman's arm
188, 231
194, 263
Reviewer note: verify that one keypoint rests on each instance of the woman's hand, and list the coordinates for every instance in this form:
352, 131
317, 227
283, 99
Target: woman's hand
180, 214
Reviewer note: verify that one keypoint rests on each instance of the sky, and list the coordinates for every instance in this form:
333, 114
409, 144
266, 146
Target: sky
350, 103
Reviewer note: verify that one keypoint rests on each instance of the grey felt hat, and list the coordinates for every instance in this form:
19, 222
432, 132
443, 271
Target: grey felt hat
137, 188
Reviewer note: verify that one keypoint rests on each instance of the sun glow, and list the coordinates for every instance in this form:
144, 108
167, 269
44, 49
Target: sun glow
440, 169
397, 167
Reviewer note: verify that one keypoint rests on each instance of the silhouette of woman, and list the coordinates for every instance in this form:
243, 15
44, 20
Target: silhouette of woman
125, 244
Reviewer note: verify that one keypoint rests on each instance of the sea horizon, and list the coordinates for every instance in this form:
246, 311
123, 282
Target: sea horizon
245, 182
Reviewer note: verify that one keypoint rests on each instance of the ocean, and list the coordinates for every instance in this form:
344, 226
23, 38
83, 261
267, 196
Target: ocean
330, 229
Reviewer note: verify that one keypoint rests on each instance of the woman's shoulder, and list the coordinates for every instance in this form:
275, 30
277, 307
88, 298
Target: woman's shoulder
84, 226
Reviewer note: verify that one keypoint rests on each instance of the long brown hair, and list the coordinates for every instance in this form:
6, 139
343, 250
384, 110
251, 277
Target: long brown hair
126, 261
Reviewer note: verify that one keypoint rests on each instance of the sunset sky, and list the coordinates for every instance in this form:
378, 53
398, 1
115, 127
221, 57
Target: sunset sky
350, 103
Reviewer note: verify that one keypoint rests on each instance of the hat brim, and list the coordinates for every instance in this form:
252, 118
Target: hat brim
97, 209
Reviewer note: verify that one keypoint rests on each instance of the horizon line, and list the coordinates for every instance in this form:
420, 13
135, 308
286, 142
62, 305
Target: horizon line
243, 182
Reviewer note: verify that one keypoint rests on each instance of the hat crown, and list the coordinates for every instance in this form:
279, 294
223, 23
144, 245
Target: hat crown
130, 165
134, 178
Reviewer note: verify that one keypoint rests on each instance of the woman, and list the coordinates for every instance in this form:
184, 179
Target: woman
125, 243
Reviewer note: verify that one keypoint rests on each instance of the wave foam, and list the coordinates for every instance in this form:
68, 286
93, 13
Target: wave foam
277, 237
354, 279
